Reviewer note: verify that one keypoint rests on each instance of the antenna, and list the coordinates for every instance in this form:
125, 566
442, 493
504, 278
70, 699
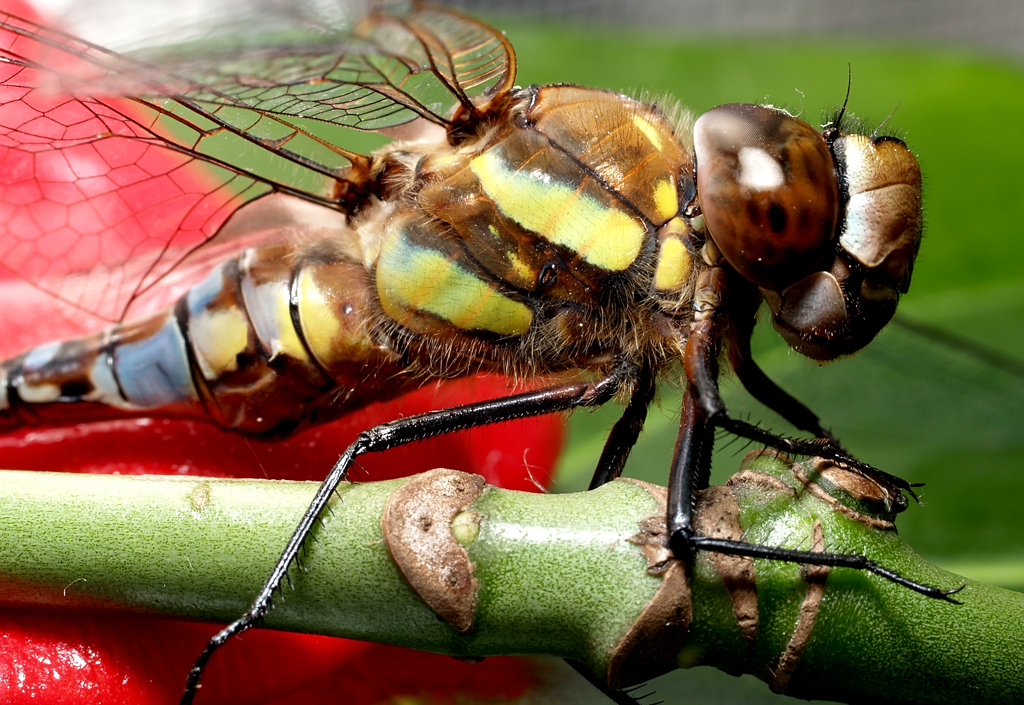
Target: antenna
842, 111
888, 117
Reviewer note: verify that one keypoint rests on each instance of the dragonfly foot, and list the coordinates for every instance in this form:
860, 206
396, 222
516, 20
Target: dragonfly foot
826, 447
685, 543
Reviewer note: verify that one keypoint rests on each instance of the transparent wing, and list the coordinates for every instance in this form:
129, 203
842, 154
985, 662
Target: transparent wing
402, 62
114, 169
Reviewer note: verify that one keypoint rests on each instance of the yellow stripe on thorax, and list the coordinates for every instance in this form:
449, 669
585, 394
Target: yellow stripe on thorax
603, 236
666, 200
413, 278
649, 131
674, 260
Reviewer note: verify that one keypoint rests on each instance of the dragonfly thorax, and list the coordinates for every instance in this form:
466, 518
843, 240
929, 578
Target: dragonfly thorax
552, 238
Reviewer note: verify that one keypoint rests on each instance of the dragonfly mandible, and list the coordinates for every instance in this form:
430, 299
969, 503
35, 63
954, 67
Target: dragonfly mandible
537, 231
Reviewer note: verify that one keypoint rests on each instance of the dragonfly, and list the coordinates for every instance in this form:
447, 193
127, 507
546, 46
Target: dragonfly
538, 231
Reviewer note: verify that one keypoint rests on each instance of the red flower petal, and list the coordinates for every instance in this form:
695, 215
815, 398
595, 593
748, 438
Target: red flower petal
69, 656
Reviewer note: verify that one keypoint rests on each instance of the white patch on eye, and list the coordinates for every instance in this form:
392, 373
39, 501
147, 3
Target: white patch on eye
759, 171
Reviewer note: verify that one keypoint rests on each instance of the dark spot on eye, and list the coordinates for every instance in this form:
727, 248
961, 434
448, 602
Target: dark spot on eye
548, 274
804, 220
777, 217
74, 390
753, 213
888, 138
784, 156
814, 171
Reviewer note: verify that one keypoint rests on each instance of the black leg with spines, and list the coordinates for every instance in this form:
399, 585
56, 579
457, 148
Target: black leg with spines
400, 432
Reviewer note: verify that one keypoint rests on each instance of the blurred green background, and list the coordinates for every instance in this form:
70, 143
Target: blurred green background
907, 404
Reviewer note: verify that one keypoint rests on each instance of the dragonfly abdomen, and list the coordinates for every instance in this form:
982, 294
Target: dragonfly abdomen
267, 340
78, 380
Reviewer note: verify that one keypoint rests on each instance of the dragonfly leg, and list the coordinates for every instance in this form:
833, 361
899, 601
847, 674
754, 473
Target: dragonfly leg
627, 429
400, 432
703, 411
689, 474
820, 447
766, 391
733, 322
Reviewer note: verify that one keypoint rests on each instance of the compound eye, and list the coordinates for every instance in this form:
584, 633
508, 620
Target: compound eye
768, 191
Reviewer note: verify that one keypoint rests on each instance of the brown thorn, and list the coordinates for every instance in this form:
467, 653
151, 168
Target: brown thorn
762, 480
417, 528
815, 576
651, 645
838, 506
718, 516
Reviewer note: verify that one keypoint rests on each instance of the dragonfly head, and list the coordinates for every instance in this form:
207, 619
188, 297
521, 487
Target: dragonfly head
827, 224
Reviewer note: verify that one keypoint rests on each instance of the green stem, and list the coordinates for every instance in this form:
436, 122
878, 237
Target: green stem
564, 575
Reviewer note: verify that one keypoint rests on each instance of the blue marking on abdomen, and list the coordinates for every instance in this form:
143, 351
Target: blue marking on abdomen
154, 372
40, 356
201, 294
